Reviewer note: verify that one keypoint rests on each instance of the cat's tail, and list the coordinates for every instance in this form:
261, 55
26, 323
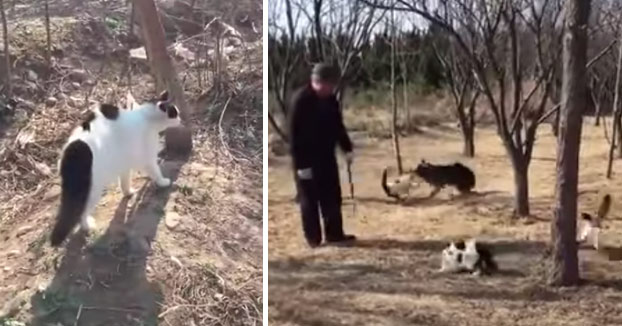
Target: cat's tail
385, 186
605, 205
487, 257
76, 177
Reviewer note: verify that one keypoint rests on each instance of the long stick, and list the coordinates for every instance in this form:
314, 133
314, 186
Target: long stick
351, 189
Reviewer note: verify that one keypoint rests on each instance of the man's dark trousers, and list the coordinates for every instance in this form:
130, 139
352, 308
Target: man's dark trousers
321, 194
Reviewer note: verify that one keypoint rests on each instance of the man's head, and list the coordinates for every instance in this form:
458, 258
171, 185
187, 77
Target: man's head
324, 78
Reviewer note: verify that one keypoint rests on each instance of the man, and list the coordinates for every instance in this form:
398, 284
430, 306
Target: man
316, 127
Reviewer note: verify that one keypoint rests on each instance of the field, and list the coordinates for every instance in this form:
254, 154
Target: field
185, 255
389, 276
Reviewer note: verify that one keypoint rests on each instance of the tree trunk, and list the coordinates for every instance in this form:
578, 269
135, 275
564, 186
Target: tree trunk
597, 108
394, 131
616, 112
521, 187
555, 124
7, 54
615, 129
597, 120
276, 127
48, 33
218, 65
179, 139
132, 19
556, 97
565, 268
317, 24
469, 142
406, 106
468, 129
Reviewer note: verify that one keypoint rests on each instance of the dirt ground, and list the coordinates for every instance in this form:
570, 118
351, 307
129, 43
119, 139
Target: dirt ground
190, 254
389, 276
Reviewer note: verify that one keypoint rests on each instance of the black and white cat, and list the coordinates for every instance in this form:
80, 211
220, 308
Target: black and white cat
467, 256
108, 145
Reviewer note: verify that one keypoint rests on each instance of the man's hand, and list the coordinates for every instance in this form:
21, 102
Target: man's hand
305, 174
349, 157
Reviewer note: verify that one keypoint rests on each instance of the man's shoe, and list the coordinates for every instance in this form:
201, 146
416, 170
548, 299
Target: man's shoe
346, 238
314, 244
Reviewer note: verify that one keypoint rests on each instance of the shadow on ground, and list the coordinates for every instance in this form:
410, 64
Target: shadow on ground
105, 282
390, 268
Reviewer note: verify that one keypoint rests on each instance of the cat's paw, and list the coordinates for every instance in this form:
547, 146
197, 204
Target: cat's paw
164, 182
87, 224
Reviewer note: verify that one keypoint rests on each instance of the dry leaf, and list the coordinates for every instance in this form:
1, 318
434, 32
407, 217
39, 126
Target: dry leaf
24, 137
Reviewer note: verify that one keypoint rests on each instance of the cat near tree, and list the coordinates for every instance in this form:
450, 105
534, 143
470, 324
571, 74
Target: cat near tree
108, 144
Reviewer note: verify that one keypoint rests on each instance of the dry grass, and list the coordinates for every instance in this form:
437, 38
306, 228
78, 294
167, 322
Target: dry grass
389, 277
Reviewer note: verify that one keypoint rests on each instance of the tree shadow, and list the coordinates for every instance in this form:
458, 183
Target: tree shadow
105, 282
497, 246
427, 201
615, 284
307, 290
544, 159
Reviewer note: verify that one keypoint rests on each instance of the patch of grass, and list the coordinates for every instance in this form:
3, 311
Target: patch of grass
113, 23
10, 322
37, 246
185, 190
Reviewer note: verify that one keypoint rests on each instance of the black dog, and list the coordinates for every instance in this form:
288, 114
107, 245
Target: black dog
439, 176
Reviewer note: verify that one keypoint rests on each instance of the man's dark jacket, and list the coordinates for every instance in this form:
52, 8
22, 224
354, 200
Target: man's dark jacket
315, 128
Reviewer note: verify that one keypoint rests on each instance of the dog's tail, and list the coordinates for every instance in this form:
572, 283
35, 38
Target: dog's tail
605, 205
466, 176
487, 258
385, 186
76, 177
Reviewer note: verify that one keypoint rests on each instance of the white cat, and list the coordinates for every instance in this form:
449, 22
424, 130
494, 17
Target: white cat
108, 145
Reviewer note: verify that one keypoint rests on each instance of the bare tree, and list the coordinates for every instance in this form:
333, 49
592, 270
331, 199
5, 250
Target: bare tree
7, 54
394, 131
164, 71
339, 30
347, 28
317, 28
464, 92
404, 76
492, 36
565, 270
285, 59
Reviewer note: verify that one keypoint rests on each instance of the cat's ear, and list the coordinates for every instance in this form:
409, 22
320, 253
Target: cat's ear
163, 96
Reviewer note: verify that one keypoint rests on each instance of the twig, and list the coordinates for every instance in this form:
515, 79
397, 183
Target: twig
548, 114
78, 316
220, 131
601, 54
171, 309
112, 309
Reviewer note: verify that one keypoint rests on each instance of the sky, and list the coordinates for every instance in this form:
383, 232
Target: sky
276, 15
